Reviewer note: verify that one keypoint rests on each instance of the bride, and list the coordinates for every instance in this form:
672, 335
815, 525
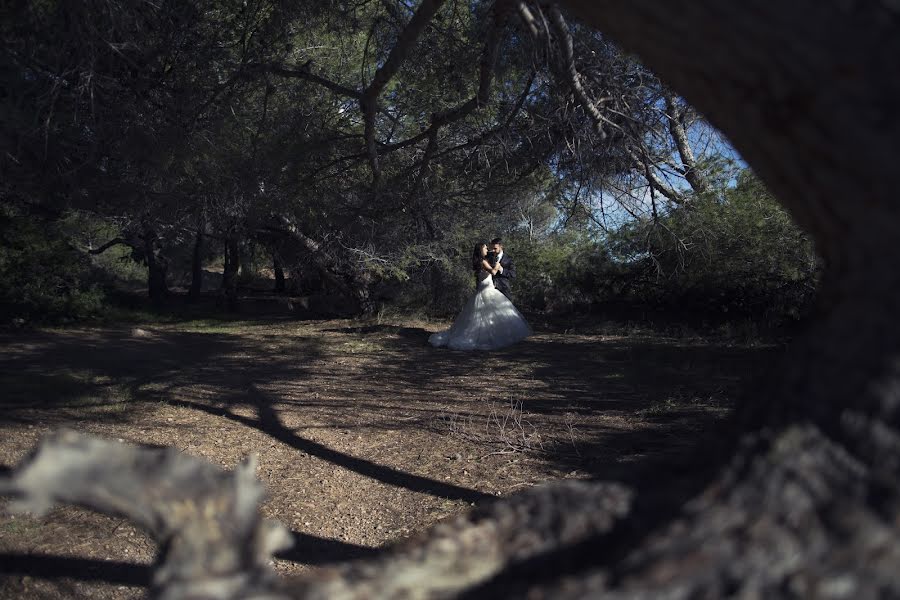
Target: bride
488, 320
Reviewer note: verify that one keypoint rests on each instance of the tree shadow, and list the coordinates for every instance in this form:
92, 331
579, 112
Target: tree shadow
590, 378
220, 360
49, 566
308, 549
409, 334
267, 421
673, 392
59, 377
318, 551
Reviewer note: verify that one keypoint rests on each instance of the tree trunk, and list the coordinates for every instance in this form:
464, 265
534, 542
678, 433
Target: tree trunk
692, 173
341, 272
279, 273
247, 252
157, 271
436, 280
810, 505
197, 268
157, 267
230, 271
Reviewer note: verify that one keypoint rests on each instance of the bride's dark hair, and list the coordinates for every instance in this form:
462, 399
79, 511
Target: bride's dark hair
476, 256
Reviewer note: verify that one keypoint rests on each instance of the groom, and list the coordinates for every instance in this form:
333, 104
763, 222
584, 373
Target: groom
503, 278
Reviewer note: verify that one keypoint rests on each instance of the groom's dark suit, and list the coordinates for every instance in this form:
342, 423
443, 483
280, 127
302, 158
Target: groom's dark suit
503, 281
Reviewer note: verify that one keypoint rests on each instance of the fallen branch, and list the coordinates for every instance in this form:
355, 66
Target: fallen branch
213, 541
215, 545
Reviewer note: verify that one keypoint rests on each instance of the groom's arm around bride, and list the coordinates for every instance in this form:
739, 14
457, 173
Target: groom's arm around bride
503, 279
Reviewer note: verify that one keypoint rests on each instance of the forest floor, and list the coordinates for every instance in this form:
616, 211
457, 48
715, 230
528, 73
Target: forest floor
365, 433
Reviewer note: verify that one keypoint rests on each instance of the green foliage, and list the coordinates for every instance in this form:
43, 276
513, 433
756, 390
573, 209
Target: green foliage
556, 272
117, 264
741, 254
42, 278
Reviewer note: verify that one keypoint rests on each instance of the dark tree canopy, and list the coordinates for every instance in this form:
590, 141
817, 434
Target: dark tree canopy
371, 127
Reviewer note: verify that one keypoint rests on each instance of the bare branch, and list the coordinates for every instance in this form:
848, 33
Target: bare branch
458, 555
573, 78
693, 175
520, 102
485, 78
215, 545
655, 180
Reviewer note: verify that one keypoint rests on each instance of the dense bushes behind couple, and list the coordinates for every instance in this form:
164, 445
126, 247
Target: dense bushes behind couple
489, 320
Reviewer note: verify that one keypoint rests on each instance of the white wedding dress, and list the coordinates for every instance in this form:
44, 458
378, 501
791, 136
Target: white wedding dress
488, 321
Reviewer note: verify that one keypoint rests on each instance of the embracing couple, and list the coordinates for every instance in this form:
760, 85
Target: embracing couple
488, 320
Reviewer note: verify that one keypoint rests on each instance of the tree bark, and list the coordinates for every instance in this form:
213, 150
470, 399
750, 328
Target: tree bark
810, 504
342, 272
214, 542
279, 273
157, 267
230, 271
247, 252
197, 267
677, 130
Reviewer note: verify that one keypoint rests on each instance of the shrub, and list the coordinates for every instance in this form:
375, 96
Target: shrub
42, 278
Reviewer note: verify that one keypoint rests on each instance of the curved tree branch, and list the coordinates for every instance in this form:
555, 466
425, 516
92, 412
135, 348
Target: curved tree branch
113, 242
689, 170
653, 178
573, 78
368, 101
487, 65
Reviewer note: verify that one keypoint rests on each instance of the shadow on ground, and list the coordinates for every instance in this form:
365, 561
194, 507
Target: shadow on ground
607, 407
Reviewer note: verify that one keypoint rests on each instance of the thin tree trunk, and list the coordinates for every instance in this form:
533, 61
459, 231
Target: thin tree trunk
692, 173
279, 273
230, 271
157, 267
197, 267
157, 271
342, 273
437, 284
226, 265
246, 261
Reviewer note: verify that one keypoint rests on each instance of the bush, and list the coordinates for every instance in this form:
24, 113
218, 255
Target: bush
42, 278
556, 273
115, 266
741, 254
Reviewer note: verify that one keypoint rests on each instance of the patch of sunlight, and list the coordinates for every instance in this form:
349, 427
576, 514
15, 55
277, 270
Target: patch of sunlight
19, 526
82, 390
358, 347
213, 326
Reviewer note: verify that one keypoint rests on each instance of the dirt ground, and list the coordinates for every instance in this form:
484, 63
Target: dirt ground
365, 433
